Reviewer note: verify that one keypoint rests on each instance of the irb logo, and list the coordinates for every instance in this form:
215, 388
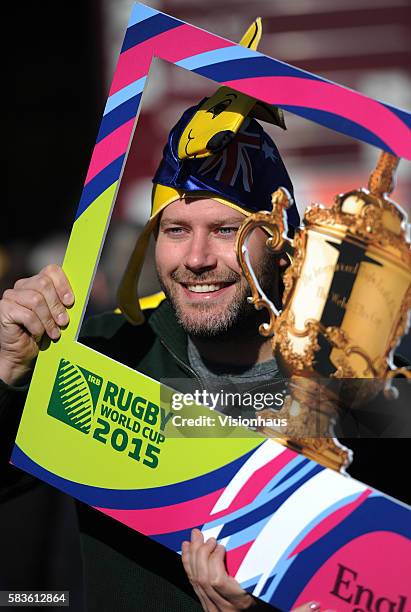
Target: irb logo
74, 397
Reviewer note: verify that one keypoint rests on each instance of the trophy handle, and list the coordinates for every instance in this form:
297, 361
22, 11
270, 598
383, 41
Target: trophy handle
405, 371
275, 223
390, 391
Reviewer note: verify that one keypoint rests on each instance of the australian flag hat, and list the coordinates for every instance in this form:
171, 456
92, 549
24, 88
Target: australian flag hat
246, 171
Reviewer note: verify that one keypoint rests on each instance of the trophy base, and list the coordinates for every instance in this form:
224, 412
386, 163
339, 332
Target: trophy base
326, 451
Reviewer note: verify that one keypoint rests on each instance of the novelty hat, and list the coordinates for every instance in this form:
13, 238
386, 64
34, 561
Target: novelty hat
217, 149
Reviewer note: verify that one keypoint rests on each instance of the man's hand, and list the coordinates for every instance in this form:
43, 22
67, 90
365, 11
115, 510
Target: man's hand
216, 590
205, 568
35, 307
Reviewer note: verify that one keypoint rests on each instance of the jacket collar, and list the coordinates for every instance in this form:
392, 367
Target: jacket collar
164, 323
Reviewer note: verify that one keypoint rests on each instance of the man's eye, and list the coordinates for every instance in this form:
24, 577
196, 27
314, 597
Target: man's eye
174, 231
227, 231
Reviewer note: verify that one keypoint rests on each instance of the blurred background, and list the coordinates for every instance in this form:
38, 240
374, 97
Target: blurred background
62, 61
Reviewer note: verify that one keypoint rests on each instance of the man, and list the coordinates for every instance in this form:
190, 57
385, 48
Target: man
203, 328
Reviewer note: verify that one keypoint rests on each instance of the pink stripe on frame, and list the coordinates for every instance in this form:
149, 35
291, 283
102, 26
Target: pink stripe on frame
167, 519
235, 557
318, 95
258, 480
173, 46
197, 511
108, 149
187, 41
329, 523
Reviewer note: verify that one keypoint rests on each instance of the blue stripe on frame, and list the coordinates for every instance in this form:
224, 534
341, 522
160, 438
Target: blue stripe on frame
339, 124
268, 493
246, 535
249, 585
173, 539
141, 12
118, 116
299, 476
216, 56
125, 94
254, 66
267, 586
139, 498
102, 181
267, 508
152, 26
292, 472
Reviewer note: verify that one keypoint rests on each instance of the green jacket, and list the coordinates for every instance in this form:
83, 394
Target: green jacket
157, 348
123, 570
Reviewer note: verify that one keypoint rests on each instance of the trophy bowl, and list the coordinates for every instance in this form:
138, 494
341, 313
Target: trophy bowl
345, 306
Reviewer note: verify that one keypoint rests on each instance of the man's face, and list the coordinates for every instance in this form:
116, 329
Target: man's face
197, 265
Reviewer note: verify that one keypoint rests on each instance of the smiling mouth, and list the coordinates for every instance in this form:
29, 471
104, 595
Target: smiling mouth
206, 287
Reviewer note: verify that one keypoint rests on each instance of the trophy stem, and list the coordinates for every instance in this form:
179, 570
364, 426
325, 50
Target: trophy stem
328, 452
311, 412
381, 180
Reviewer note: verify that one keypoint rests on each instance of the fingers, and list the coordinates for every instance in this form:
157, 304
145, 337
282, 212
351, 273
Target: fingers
27, 318
61, 283
34, 302
218, 576
227, 587
204, 563
201, 552
59, 280
205, 568
185, 557
35, 307
47, 294
217, 566
206, 603
207, 577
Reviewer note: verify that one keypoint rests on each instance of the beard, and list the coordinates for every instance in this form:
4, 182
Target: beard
204, 320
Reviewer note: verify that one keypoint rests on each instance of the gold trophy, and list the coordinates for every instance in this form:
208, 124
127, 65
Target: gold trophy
345, 307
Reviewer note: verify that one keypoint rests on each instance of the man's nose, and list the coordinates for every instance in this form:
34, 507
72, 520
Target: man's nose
200, 256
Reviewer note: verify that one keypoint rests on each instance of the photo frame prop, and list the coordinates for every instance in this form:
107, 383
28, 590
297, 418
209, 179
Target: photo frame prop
293, 530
